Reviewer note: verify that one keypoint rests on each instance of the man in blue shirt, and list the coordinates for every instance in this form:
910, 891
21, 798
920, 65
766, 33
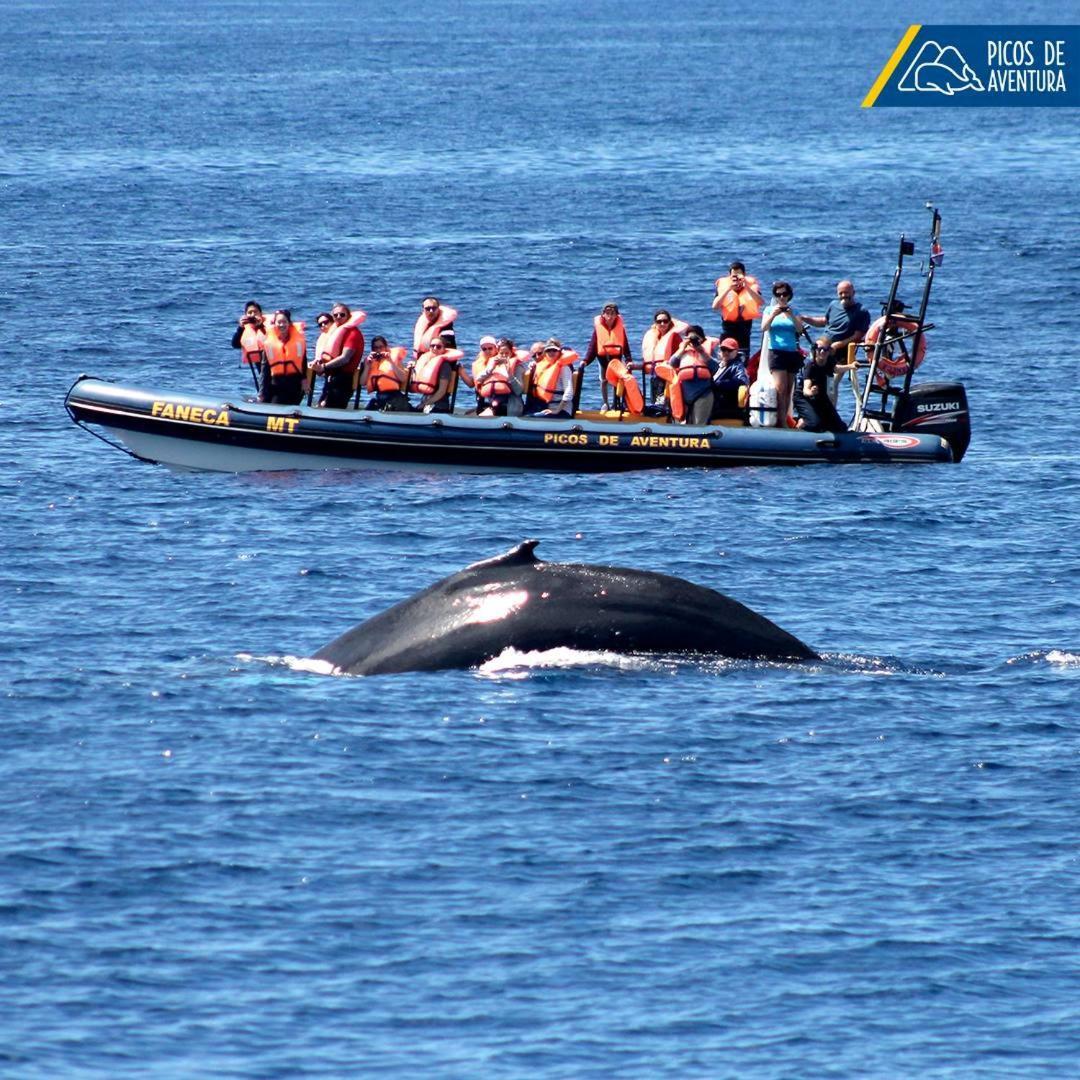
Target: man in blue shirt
845, 320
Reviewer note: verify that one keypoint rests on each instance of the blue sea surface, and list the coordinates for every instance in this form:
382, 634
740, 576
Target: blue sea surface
216, 863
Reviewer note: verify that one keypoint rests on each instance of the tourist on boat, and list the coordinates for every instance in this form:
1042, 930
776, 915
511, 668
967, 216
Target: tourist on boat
738, 299
658, 345
609, 342
845, 321
326, 327
498, 386
385, 375
432, 374
783, 325
285, 348
689, 375
341, 356
248, 338
551, 381
730, 383
814, 408
435, 319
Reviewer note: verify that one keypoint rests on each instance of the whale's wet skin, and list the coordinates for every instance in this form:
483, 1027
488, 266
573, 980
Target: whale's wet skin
517, 602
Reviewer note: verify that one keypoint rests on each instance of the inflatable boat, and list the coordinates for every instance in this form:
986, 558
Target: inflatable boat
197, 432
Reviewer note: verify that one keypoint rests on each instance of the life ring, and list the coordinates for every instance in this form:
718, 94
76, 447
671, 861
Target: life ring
895, 366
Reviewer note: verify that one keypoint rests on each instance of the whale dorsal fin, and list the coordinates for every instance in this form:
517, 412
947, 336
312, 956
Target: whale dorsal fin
522, 555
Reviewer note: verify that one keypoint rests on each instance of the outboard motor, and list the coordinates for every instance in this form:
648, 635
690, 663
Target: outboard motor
937, 408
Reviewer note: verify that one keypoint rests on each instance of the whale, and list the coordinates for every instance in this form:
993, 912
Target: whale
516, 601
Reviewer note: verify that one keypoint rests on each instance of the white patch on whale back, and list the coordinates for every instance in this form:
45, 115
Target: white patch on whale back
511, 663
494, 606
294, 663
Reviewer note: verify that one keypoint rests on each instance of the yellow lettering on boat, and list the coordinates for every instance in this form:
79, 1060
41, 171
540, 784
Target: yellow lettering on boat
167, 412
156, 408
222, 418
565, 438
182, 412
670, 442
281, 423
609, 440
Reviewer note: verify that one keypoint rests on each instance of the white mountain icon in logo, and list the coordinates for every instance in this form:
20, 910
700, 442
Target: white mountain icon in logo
943, 70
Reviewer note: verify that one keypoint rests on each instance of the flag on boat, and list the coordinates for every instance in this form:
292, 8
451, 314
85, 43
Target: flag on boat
937, 254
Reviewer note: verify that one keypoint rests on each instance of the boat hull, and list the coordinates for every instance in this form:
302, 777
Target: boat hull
197, 432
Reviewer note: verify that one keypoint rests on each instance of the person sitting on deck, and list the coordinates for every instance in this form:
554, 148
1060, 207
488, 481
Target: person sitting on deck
689, 375
432, 373
385, 375
498, 385
609, 342
551, 387
730, 383
813, 406
341, 357
435, 320
285, 348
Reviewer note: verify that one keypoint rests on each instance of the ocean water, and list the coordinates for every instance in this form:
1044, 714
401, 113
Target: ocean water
213, 863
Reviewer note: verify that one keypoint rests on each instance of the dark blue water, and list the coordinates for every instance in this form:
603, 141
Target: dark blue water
212, 863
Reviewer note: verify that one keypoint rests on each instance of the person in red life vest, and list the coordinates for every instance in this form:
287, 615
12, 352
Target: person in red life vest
730, 383
431, 375
385, 374
285, 347
498, 386
609, 342
659, 345
551, 389
341, 357
689, 375
435, 320
738, 299
248, 338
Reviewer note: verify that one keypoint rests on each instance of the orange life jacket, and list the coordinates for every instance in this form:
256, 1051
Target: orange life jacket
610, 340
322, 342
425, 376
424, 331
546, 374
893, 361
622, 378
657, 347
382, 378
740, 306
285, 357
337, 343
495, 381
252, 342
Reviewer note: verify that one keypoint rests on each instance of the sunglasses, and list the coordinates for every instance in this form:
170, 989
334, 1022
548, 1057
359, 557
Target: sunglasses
340, 315
436, 345
428, 307
662, 322
782, 295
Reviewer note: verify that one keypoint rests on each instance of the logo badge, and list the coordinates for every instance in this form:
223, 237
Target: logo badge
975, 66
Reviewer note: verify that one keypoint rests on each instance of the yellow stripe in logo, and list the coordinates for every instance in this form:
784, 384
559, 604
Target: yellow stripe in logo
891, 66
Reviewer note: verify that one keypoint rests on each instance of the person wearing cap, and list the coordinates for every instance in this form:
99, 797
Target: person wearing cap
814, 409
845, 321
488, 347
498, 383
609, 342
436, 319
551, 381
738, 299
730, 382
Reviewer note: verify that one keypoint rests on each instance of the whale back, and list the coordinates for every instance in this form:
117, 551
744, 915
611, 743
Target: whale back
517, 601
